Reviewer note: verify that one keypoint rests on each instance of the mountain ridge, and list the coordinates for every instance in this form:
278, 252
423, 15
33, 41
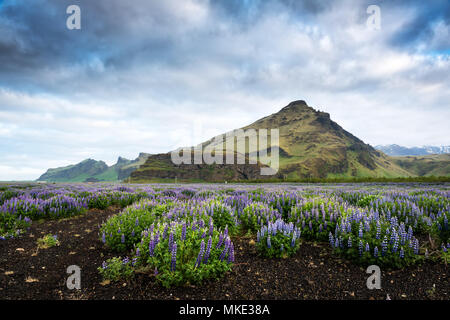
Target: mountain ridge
397, 150
311, 145
90, 170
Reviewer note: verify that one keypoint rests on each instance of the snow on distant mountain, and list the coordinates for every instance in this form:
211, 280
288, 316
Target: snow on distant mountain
396, 150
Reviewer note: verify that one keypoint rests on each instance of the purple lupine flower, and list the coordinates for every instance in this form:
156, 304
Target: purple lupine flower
200, 254
331, 239
103, 238
416, 246
378, 230
122, 238
225, 232
360, 248
384, 246
208, 250
125, 260
231, 254
220, 240
375, 252
269, 244
367, 247
211, 227
151, 246
170, 241
174, 257
225, 249
402, 253
138, 252
183, 232
104, 265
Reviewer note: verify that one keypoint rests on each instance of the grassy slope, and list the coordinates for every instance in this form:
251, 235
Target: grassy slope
430, 165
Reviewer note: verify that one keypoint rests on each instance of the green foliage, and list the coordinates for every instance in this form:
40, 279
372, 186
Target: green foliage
284, 203
121, 232
316, 219
12, 225
115, 269
278, 239
257, 214
47, 241
445, 253
223, 216
375, 241
441, 227
367, 200
8, 194
191, 263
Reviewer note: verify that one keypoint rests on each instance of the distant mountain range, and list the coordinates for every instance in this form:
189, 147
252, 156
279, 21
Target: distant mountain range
91, 170
396, 150
311, 145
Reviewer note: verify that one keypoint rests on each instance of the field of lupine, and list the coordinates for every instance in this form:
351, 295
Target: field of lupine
182, 235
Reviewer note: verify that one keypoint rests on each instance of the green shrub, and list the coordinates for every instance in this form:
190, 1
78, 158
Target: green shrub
278, 239
115, 269
257, 214
316, 219
441, 227
223, 216
367, 240
122, 231
182, 253
12, 225
47, 241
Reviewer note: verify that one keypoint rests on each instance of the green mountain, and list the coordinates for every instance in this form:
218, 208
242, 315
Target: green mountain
437, 165
311, 145
91, 170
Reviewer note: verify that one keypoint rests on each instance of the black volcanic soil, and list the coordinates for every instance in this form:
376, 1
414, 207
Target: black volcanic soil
313, 273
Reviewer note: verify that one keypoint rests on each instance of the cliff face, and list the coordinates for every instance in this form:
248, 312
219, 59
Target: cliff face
160, 167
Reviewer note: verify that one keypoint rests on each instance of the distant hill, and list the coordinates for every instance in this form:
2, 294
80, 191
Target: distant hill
396, 150
431, 165
311, 146
91, 170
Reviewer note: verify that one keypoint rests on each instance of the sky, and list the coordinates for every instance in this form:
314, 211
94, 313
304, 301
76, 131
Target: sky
156, 75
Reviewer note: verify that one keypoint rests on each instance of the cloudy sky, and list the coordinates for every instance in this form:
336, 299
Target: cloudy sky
159, 74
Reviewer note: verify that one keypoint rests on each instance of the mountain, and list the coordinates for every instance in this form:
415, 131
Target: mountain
430, 165
396, 150
125, 171
91, 170
311, 145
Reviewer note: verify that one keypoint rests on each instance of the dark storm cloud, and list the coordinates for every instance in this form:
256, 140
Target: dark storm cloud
422, 27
